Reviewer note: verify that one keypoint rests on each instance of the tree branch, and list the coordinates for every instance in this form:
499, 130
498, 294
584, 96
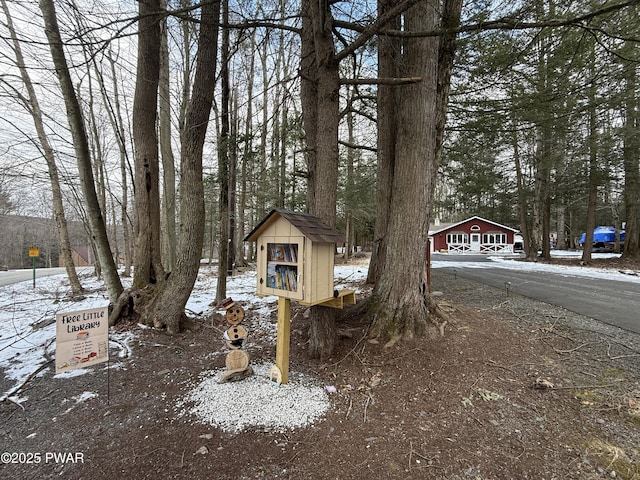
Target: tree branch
357, 147
505, 23
379, 81
368, 32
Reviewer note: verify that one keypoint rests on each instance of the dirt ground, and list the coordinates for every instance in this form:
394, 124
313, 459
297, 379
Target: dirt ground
515, 389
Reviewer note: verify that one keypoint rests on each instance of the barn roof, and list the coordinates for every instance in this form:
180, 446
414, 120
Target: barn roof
309, 225
454, 225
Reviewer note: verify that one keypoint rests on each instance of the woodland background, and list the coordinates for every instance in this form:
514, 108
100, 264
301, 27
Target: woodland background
542, 127
570, 92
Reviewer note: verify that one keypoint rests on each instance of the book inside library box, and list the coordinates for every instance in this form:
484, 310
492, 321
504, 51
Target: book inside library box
295, 257
282, 266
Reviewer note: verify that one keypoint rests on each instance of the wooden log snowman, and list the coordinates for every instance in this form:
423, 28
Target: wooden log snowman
237, 360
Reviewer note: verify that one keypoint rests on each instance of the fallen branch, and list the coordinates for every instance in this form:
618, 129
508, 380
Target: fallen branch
413, 452
349, 409
366, 405
617, 357
125, 350
17, 403
584, 387
571, 350
496, 364
20, 387
624, 356
353, 350
46, 346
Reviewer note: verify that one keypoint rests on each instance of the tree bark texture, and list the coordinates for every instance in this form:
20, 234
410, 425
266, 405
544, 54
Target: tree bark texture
320, 93
631, 156
148, 269
400, 297
169, 238
233, 180
594, 176
388, 51
168, 306
522, 194
224, 147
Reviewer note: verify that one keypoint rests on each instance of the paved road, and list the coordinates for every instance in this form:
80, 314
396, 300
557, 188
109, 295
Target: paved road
613, 302
15, 276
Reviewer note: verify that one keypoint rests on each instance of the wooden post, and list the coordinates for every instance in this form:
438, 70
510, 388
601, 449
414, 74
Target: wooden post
283, 338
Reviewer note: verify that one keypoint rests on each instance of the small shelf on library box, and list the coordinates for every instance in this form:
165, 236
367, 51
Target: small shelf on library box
282, 266
284, 253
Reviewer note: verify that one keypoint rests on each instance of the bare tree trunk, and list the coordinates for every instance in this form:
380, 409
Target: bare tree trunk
83, 157
95, 142
241, 203
594, 176
148, 267
561, 210
224, 146
522, 198
36, 114
114, 230
320, 99
389, 49
400, 296
275, 176
263, 187
284, 143
187, 42
168, 307
535, 238
233, 177
546, 215
350, 181
118, 128
168, 240
111, 101
592, 196
281, 117
631, 155
247, 165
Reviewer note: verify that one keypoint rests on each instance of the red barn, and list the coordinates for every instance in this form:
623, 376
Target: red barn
473, 235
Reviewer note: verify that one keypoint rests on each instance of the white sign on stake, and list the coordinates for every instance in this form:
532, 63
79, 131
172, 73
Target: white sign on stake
82, 338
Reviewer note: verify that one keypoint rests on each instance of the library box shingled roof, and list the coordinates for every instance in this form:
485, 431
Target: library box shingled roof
309, 225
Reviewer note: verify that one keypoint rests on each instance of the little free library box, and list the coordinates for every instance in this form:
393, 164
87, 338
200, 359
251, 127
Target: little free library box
295, 259
295, 262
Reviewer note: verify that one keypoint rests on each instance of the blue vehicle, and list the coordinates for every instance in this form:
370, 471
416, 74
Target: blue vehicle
604, 239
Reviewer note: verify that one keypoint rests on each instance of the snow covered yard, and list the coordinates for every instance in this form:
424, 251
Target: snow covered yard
27, 336
165, 414
27, 315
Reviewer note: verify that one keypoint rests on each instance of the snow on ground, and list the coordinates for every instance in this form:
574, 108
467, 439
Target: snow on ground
27, 315
27, 323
